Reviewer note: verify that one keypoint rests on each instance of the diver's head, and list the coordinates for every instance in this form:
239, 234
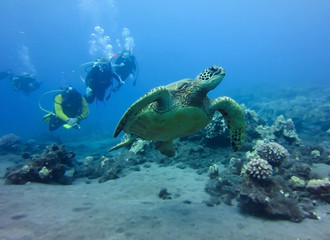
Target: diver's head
71, 96
124, 54
70, 91
102, 63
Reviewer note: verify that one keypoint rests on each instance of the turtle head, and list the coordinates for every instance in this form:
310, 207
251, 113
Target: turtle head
210, 78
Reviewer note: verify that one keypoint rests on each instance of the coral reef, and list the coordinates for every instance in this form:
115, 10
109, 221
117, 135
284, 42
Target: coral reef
223, 187
272, 152
266, 132
296, 183
215, 134
286, 129
9, 142
320, 188
253, 121
49, 167
315, 153
107, 167
214, 171
235, 165
307, 107
283, 130
272, 199
216, 127
301, 170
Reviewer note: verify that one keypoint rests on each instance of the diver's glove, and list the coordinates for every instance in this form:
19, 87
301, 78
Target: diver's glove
88, 91
72, 121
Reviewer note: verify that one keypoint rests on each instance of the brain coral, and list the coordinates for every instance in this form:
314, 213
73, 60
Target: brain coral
259, 168
272, 152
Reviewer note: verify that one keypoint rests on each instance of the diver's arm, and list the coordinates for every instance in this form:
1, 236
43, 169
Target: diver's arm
58, 108
114, 65
85, 110
120, 82
88, 79
118, 78
91, 77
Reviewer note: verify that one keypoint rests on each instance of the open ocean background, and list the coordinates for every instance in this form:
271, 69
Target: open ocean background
261, 44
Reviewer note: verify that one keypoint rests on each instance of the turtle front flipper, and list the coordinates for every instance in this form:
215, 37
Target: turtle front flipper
234, 118
159, 94
125, 143
166, 148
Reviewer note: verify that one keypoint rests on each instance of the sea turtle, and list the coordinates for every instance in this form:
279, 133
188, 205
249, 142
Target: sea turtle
180, 109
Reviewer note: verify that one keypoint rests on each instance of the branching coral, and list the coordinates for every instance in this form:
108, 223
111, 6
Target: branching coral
259, 168
272, 152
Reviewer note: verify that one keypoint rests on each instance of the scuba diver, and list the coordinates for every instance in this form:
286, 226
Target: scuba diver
26, 83
99, 79
70, 107
125, 65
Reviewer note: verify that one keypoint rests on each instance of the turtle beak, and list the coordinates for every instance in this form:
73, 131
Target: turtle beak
217, 70
222, 71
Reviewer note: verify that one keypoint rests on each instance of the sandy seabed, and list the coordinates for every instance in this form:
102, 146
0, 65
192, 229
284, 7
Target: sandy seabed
129, 208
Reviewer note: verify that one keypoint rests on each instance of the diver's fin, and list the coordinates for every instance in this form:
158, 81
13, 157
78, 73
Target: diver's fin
109, 95
47, 117
67, 126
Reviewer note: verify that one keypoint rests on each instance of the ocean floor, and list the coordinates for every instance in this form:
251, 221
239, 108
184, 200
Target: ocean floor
129, 208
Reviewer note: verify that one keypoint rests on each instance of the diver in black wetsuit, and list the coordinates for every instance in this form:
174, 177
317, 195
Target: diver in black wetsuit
99, 79
125, 65
25, 82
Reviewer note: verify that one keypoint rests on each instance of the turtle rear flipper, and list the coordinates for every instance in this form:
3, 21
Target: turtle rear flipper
125, 143
166, 148
159, 94
234, 118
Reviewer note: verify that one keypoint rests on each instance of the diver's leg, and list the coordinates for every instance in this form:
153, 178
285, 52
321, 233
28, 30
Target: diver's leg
100, 93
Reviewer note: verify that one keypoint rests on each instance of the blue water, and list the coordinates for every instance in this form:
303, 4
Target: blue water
259, 43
